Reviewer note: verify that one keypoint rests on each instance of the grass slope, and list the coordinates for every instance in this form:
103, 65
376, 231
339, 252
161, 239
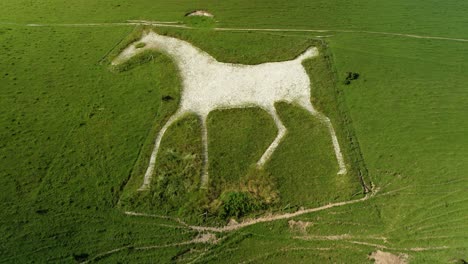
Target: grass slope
72, 131
417, 16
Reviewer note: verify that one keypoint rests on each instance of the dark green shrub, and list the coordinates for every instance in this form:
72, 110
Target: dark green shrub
80, 257
237, 204
350, 76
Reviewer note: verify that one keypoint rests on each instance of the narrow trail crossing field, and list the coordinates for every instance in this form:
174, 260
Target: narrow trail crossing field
175, 24
249, 222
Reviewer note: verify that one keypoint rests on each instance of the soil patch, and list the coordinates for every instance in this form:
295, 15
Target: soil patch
381, 257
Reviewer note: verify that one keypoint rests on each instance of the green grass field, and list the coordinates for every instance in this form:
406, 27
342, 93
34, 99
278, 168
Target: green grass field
76, 135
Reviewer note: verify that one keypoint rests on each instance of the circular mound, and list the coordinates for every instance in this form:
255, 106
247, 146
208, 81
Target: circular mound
202, 13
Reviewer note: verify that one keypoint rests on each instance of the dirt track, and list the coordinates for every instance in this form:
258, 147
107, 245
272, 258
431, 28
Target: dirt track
264, 219
175, 25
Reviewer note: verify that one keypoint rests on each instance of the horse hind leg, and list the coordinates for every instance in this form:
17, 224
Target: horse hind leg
157, 143
281, 133
204, 176
306, 104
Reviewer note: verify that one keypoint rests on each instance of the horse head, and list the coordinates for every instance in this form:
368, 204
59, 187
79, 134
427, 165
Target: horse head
137, 47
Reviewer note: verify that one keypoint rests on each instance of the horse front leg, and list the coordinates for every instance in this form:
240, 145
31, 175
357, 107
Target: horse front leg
281, 133
157, 143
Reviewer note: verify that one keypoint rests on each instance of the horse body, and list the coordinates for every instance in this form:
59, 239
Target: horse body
209, 84
225, 86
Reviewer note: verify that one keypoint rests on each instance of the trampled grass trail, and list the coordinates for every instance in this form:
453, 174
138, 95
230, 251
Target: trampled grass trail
211, 238
270, 218
205, 237
175, 24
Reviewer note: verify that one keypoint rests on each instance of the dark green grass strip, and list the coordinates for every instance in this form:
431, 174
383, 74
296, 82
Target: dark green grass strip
329, 99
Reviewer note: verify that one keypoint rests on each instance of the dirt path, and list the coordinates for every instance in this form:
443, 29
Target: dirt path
206, 237
201, 239
342, 31
175, 24
275, 217
270, 218
249, 222
358, 241
416, 249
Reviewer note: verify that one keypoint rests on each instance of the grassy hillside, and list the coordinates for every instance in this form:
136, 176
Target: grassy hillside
73, 132
417, 16
412, 133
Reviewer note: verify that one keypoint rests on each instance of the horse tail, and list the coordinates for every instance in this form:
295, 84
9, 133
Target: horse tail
309, 53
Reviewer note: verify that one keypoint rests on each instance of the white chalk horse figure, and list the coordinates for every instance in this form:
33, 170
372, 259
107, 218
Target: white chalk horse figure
209, 84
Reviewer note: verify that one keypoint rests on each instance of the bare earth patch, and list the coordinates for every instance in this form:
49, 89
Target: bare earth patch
206, 238
232, 222
381, 257
299, 225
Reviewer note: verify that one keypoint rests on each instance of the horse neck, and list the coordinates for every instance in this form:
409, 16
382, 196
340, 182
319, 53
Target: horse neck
181, 51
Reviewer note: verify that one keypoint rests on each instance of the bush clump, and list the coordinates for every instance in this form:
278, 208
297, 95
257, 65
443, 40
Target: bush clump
80, 257
350, 76
237, 204
257, 191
